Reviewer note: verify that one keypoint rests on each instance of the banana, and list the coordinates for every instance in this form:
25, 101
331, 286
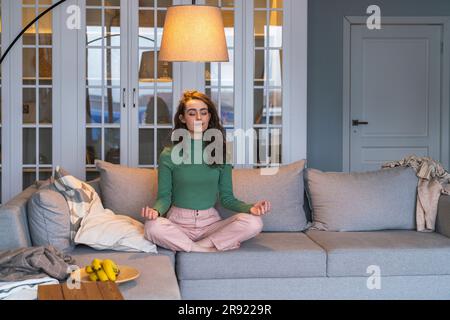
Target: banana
88, 269
102, 275
93, 276
109, 267
96, 264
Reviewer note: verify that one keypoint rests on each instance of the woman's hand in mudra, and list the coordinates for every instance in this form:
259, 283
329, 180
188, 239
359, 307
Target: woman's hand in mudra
149, 213
261, 208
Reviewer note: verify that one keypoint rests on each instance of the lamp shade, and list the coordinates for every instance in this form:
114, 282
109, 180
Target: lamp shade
193, 33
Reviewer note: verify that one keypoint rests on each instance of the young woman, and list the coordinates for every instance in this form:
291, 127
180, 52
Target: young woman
187, 192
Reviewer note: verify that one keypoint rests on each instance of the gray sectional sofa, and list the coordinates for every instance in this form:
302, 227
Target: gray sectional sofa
309, 264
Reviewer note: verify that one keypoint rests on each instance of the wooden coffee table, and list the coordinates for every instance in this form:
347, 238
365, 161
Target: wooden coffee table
107, 290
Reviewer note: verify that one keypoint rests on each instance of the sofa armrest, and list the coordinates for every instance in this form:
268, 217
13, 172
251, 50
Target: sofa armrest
14, 232
443, 216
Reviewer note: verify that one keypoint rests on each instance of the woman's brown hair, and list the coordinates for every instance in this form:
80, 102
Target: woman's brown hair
214, 121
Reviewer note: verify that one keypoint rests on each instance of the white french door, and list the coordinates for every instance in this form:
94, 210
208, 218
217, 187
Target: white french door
106, 104
129, 93
97, 91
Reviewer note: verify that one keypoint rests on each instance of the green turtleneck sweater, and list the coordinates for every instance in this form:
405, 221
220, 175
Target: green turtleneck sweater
195, 185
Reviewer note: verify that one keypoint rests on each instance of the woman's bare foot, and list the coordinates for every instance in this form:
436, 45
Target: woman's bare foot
198, 248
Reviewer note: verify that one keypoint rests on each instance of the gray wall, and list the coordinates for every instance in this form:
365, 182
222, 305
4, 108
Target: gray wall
325, 21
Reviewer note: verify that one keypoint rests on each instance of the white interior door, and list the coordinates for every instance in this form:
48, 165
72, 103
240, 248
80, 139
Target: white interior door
395, 94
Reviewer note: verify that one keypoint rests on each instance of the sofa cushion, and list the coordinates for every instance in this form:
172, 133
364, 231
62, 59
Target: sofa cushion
49, 219
127, 190
269, 255
363, 201
157, 277
284, 190
397, 253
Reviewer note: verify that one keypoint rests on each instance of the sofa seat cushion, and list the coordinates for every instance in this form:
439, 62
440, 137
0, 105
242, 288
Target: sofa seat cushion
269, 255
395, 252
157, 278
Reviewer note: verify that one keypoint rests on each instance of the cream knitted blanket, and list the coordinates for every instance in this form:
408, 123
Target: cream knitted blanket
433, 181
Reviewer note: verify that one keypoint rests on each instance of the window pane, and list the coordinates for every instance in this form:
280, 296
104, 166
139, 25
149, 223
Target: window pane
111, 3
276, 29
146, 67
45, 28
93, 144
161, 17
260, 74
227, 71
29, 106
228, 23
112, 27
29, 146
146, 3
45, 146
276, 104
275, 145
213, 94
29, 37
93, 105
227, 106
94, 67
92, 174
259, 100
212, 73
112, 145
146, 146
164, 106
146, 28
260, 22
45, 66
276, 67
94, 27
45, 105
261, 146
212, 3
45, 173
29, 66
260, 3
112, 105
112, 67
93, 2
29, 177
164, 71
164, 3
146, 106
227, 3
276, 4
164, 140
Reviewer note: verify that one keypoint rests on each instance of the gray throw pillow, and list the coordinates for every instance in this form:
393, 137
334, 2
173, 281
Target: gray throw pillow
362, 201
284, 190
49, 218
127, 190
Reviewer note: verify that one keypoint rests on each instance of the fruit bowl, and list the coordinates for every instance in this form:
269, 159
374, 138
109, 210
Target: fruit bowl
126, 274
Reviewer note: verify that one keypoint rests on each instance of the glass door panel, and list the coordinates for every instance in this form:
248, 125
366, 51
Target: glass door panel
104, 94
154, 84
37, 89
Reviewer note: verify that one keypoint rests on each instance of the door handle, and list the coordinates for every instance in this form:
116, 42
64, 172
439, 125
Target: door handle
134, 97
123, 97
357, 122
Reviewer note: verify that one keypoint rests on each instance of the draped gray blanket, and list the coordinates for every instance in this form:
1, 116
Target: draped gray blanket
433, 181
34, 262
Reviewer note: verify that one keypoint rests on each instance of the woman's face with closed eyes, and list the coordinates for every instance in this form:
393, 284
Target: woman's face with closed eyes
196, 116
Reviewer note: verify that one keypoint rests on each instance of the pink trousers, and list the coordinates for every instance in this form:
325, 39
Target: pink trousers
183, 227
